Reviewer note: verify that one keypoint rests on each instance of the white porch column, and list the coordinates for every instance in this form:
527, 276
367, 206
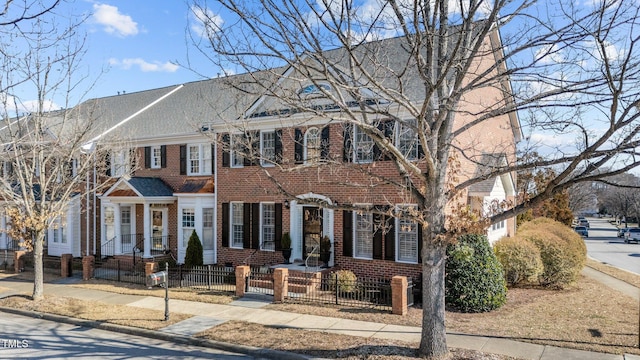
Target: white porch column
147, 231
117, 221
3, 234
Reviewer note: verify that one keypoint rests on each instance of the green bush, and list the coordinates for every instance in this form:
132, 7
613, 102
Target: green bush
520, 259
474, 281
193, 256
344, 280
562, 250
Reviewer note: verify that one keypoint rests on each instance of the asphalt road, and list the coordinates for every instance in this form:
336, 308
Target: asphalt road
26, 337
604, 246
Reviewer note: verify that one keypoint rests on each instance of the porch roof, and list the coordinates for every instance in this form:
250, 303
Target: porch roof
140, 187
197, 186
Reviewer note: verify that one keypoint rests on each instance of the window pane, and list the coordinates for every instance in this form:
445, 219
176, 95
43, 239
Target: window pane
194, 159
268, 147
312, 145
237, 146
363, 146
407, 240
156, 157
237, 210
407, 140
188, 225
207, 228
364, 235
268, 226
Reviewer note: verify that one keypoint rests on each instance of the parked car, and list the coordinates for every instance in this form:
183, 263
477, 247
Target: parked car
632, 235
622, 232
582, 230
583, 222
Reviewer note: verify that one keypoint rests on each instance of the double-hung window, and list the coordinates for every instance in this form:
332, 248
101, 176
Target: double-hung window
268, 148
407, 235
59, 233
238, 146
156, 157
267, 226
120, 162
188, 225
199, 159
312, 145
363, 235
362, 146
237, 224
407, 140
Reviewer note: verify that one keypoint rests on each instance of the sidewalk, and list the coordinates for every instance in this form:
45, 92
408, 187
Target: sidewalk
251, 310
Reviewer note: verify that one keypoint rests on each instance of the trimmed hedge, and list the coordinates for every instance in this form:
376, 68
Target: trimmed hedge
474, 281
520, 259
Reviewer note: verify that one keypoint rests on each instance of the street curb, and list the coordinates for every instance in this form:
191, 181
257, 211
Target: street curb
169, 337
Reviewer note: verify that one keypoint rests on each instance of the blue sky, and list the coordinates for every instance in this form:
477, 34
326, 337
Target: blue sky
139, 44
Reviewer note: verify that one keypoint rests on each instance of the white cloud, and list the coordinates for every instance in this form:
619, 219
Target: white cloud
205, 22
549, 54
113, 21
145, 66
14, 106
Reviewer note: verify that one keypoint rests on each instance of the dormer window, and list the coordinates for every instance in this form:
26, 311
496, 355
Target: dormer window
314, 89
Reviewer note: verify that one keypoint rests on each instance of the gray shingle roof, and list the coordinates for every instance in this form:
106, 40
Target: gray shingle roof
150, 187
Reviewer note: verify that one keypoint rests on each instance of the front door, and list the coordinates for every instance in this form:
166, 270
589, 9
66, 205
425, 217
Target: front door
158, 229
311, 229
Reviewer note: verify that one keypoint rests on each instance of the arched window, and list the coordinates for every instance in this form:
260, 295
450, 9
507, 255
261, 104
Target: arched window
312, 142
314, 89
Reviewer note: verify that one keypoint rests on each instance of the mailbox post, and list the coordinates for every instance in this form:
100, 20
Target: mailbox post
161, 279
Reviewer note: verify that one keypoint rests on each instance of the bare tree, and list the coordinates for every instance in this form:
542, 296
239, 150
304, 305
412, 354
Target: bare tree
46, 149
563, 70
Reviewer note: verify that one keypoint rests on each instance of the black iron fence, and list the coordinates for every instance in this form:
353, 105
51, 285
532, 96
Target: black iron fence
120, 270
328, 289
214, 278
260, 280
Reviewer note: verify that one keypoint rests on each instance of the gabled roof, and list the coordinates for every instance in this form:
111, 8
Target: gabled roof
142, 187
487, 164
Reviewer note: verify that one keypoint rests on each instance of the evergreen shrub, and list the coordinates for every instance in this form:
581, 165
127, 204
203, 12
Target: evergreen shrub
520, 259
474, 281
194, 254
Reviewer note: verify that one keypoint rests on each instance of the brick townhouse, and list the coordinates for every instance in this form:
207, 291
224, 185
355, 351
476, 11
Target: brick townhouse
187, 145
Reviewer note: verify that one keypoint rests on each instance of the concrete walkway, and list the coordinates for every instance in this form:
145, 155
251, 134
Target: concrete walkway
251, 310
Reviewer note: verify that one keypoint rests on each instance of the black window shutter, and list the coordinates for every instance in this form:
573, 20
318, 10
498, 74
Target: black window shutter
147, 157
347, 233
163, 156
390, 239
278, 225
255, 226
377, 235
255, 148
225, 225
133, 158
107, 163
213, 158
347, 149
324, 144
389, 127
183, 159
246, 226
226, 156
278, 146
299, 146
69, 170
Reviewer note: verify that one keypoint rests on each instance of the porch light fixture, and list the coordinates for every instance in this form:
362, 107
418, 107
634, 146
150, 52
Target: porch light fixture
286, 204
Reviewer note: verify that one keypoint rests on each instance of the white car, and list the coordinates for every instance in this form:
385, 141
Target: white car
632, 235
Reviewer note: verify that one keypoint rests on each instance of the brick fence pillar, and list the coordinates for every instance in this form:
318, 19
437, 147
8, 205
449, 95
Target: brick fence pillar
149, 268
18, 260
399, 295
280, 284
242, 272
66, 265
87, 267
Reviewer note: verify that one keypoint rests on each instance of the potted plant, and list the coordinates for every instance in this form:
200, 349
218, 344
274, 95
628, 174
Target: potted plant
325, 250
285, 245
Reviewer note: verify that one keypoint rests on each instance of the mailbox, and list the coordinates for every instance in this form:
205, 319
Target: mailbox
157, 278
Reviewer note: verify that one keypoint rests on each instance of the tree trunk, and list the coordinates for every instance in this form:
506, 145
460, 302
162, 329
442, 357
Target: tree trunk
433, 343
38, 276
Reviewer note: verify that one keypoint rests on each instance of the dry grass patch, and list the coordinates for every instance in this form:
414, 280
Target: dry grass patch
617, 273
326, 345
135, 289
586, 316
90, 310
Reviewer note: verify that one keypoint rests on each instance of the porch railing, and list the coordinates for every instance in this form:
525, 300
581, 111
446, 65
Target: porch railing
129, 241
108, 248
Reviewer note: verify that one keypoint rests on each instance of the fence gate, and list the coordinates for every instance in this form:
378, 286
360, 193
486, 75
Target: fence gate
260, 281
